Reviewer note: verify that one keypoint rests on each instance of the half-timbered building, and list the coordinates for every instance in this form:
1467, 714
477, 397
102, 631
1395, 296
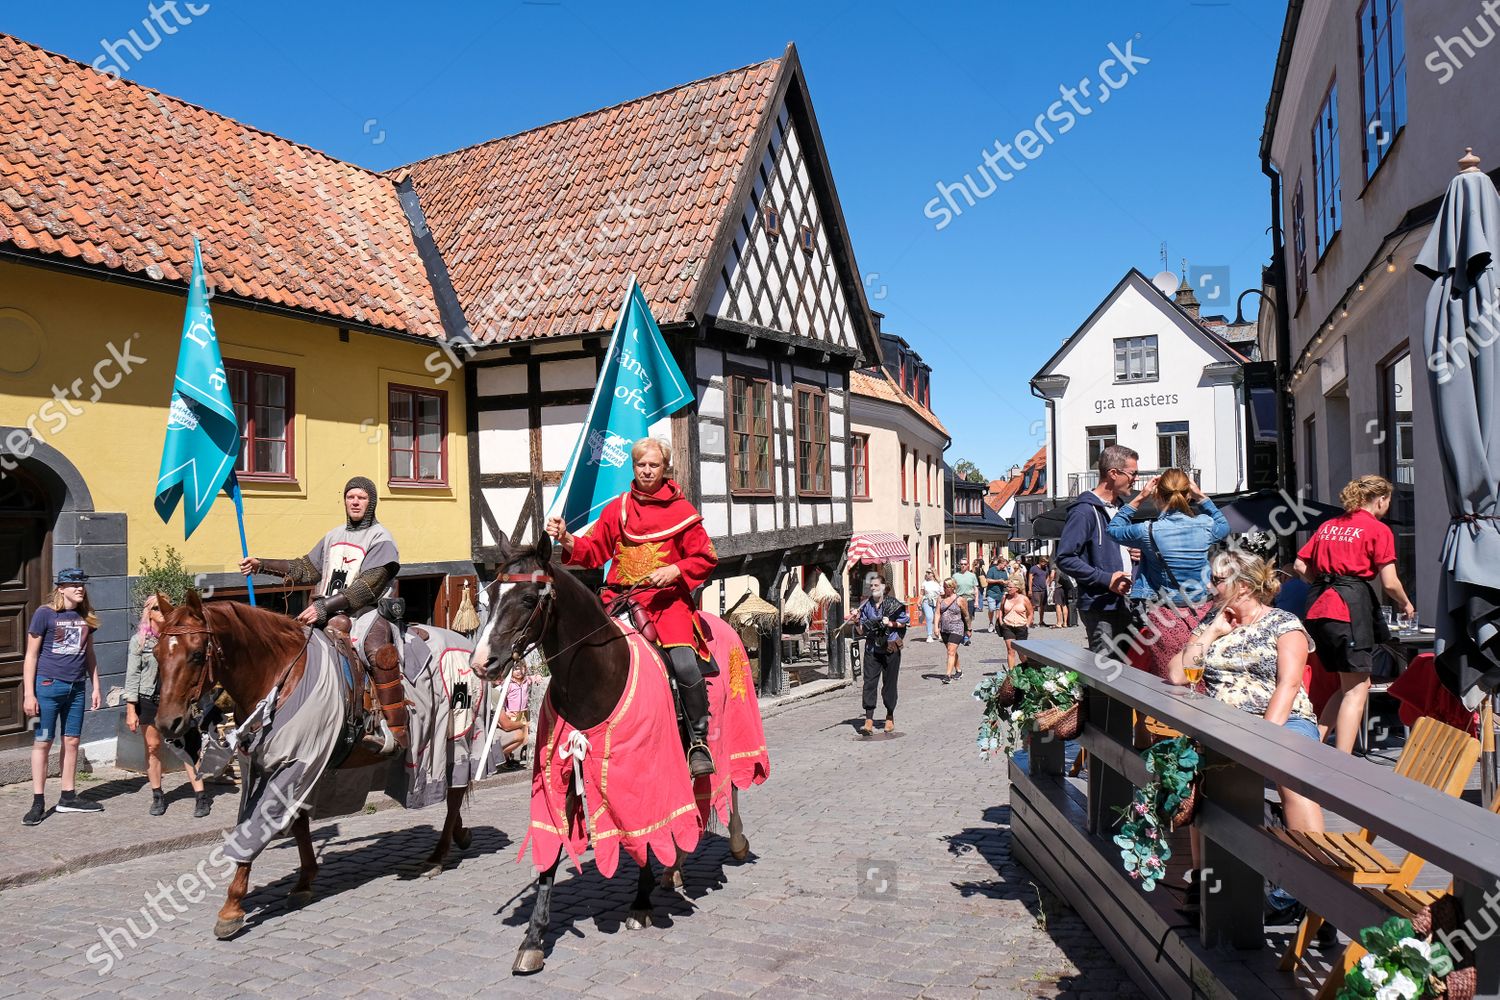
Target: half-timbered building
718, 197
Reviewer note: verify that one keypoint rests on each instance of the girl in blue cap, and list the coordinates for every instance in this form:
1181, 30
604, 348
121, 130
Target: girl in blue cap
59, 652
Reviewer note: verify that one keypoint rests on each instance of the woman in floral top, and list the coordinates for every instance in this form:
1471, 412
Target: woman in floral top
1253, 658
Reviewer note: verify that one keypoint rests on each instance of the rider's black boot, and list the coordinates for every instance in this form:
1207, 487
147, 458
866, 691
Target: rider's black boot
695, 708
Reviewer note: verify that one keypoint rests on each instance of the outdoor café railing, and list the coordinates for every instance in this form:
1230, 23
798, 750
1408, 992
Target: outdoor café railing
1241, 753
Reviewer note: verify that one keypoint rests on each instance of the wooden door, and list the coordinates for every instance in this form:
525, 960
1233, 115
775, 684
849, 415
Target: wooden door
23, 583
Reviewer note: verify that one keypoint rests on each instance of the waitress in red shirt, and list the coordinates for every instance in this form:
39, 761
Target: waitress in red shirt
653, 539
1341, 560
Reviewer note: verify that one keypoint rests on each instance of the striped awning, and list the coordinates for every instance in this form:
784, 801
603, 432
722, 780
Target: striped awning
877, 547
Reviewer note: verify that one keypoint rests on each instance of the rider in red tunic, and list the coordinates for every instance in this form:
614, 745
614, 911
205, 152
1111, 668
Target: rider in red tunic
652, 535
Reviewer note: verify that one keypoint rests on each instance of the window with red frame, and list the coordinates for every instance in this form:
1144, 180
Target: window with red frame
929, 479
859, 464
419, 435
903, 473
262, 397
749, 436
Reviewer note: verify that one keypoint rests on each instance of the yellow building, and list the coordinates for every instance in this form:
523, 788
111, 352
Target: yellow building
329, 323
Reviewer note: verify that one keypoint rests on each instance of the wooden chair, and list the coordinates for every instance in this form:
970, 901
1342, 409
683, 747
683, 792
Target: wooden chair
1438, 756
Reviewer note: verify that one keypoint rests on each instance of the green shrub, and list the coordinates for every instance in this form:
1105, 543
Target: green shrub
161, 572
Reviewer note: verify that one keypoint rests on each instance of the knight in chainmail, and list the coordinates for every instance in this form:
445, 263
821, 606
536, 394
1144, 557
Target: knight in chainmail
349, 569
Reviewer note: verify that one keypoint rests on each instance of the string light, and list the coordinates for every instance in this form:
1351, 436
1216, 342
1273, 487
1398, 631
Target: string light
1361, 285
1390, 264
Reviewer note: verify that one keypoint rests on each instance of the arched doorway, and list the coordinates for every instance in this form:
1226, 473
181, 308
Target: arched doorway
25, 548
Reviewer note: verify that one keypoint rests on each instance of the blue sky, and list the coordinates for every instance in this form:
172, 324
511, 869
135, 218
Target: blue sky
907, 95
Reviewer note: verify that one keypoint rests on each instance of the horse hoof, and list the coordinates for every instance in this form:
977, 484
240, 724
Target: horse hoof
528, 961
739, 848
226, 929
433, 869
463, 838
300, 898
638, 920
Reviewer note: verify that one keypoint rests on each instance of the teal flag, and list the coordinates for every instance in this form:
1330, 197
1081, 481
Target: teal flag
203, 436
639, 384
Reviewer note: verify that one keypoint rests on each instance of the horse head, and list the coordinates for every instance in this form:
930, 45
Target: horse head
522, 602
183, 654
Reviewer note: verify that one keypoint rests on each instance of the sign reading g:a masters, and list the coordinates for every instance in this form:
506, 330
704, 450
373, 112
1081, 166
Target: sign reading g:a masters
1136, 402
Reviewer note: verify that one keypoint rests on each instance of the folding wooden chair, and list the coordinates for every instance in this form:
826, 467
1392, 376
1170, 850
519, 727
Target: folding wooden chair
1438, 756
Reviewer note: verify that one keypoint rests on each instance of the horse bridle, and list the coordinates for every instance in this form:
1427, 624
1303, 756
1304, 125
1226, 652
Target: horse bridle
541, 611
202, 695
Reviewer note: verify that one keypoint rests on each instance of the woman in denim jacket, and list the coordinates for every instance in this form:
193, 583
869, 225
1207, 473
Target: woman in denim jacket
1172, 587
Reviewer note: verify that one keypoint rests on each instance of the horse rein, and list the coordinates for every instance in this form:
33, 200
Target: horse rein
521, 647
215, 650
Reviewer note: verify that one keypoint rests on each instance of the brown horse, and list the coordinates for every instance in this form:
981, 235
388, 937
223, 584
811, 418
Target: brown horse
247, 651
588, 658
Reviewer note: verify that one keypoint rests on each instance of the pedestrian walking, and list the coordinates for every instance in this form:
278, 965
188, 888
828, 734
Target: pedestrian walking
994, 591
1171, 590
141, 697
882, 620
1063, 590
932, 592
1342, 560
1037, 578
968, 586
956, 626
59, 656
1015, 617
1101, 565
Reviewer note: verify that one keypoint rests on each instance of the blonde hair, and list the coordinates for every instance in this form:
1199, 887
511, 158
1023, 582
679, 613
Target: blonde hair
1237, 565
56, 603
1173, 492
948, 581
639, 448
1364, 491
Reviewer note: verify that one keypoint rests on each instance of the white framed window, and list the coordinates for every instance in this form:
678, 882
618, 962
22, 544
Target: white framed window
1135, 359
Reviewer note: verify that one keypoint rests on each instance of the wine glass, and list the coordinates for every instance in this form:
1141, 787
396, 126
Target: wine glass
1194, 674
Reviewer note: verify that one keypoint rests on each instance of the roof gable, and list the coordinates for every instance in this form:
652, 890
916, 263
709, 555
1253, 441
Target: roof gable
1134, 279
541, 231
879, 385
118, 177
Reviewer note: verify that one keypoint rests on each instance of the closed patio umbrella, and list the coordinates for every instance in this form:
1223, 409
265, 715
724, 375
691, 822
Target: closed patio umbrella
1462, 323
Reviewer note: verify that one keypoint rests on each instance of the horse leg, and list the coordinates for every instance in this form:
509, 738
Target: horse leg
671, 876
739, 844
301, 894
529, 957
453, 831
232, 913
640, 910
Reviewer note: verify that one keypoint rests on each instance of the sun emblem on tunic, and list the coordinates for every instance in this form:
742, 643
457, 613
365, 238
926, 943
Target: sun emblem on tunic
739, 672
636, 562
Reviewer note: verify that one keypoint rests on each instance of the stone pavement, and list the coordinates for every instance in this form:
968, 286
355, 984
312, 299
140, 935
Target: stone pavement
879, 868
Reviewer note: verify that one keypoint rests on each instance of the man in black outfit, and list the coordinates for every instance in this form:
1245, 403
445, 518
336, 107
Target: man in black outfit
882, 621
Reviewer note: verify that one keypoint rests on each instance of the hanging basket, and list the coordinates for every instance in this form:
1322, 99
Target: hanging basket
1005, 695
1186, 810
1062, 723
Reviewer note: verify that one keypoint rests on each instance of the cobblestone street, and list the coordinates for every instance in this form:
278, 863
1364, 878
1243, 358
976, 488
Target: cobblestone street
879, 868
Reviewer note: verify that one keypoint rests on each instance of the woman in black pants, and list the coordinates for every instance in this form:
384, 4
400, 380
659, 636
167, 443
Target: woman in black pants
882, 621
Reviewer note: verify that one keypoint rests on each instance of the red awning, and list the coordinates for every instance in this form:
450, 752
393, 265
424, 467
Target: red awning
877, 547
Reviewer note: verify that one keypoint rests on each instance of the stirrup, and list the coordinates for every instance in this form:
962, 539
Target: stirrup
382, 740
694, 771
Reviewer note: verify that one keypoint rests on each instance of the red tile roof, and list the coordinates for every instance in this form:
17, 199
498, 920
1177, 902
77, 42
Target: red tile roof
116, 176
879, 385
542, 229
1002, 490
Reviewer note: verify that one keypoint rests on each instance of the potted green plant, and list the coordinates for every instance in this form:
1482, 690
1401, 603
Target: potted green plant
161, 573
1399, 965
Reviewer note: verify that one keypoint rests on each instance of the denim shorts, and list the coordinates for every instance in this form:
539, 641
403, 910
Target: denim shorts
1303, 727
60, 702
993, 603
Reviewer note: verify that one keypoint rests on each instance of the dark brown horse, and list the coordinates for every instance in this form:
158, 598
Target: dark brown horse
246, 651
546, 607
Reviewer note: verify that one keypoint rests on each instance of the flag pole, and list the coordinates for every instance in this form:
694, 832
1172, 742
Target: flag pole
239, 516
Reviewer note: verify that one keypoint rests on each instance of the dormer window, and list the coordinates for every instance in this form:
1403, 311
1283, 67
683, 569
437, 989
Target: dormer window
773, 220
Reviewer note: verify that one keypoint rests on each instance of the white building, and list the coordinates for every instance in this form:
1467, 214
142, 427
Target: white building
1371, 107
1143, 371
